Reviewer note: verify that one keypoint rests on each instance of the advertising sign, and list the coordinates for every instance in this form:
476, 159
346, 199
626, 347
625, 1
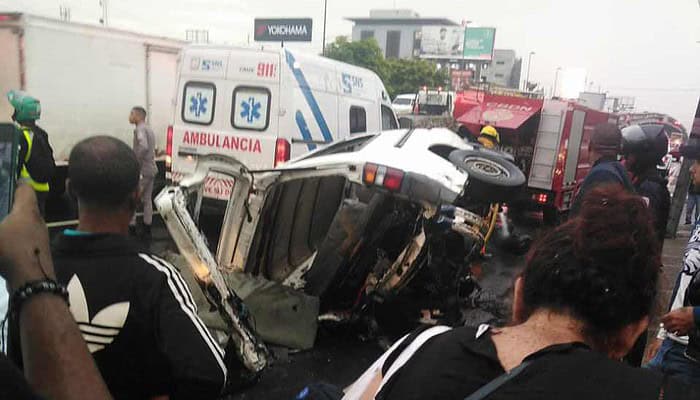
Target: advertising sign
441, 42
283, 30
478, 43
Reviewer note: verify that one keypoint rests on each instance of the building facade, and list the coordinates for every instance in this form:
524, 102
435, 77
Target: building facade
404, 34
396, 31
504, 69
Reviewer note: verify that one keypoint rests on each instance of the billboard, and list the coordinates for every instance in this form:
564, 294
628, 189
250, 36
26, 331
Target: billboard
283, 30
441, 42
478, 43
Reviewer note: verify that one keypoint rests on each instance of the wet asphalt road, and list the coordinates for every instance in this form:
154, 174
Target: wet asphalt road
342, 354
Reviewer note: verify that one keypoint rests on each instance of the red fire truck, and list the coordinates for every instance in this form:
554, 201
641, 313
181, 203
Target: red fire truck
548, 139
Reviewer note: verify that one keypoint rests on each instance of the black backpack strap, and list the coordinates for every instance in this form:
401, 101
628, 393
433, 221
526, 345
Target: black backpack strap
381, 395
492, 386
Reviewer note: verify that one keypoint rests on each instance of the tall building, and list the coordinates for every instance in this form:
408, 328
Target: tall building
404, 34
398, 32
504, 69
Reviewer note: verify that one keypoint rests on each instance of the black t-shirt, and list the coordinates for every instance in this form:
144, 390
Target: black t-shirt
138, 319
453, 365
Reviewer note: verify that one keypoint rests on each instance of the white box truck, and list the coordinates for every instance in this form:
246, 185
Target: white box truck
265, 107
87, 78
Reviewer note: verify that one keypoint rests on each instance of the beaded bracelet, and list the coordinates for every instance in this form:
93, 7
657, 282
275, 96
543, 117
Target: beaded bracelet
29, 289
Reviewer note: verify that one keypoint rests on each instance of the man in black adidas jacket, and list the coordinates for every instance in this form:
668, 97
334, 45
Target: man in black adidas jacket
134, 309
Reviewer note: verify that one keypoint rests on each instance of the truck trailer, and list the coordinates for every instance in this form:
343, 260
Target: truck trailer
87, 77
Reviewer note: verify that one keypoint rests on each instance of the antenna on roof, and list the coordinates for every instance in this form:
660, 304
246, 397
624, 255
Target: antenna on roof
103, 19
65, 13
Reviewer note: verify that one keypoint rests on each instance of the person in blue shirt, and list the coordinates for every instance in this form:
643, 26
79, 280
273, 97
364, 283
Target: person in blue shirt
603, 150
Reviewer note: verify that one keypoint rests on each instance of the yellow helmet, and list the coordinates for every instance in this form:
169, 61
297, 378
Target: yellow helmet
491, 132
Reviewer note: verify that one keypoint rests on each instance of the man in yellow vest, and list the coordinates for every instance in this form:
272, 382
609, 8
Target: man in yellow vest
36, 162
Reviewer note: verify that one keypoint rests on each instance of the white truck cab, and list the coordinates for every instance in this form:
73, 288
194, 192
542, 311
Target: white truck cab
265, 107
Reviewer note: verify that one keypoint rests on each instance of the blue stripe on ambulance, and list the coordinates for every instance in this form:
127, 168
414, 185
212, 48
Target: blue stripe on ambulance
304, 129
310, 99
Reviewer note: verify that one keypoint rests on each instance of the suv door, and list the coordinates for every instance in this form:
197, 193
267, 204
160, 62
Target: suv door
172, 204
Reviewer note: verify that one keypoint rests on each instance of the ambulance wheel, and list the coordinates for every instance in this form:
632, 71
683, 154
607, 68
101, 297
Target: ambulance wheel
491, 177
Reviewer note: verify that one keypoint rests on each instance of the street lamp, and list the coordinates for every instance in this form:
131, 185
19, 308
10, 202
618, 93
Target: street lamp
556, 79
325, 9
529, 62
464, 44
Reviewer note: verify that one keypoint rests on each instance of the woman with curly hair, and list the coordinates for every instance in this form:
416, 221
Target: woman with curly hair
580, 304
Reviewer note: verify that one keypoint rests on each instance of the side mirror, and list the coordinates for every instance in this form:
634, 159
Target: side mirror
405, 123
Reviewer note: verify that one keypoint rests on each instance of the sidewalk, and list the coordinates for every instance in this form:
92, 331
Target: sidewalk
672, 259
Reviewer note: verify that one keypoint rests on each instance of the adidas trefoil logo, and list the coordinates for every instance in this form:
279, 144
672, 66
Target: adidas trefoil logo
104, 327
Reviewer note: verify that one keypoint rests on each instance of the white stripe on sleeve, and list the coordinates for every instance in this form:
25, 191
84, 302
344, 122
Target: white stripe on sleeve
187, 305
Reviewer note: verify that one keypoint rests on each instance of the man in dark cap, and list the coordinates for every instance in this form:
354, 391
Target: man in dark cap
604, 148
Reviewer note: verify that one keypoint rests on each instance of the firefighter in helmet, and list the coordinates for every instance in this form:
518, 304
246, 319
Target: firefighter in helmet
489, 137
36, 162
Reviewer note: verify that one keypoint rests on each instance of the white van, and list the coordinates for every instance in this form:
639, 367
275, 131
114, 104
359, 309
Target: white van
403, 104
265, 107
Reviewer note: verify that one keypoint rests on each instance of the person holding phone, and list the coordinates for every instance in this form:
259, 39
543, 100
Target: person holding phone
57, 364
134, 309
37, 163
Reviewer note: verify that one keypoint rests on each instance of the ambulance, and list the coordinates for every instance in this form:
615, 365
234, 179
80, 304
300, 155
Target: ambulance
265, 107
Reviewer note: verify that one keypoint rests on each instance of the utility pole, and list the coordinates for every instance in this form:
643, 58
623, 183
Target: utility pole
527, 76
464, 44
556, 80
325, 11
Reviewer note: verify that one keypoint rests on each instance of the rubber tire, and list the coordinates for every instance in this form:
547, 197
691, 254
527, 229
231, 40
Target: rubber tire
486, 187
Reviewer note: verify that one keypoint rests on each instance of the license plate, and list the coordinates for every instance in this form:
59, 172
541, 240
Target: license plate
218, 186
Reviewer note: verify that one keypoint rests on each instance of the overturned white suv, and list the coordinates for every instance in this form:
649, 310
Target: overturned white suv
390, 221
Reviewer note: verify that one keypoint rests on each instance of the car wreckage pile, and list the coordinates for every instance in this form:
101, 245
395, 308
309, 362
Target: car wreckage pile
376, 228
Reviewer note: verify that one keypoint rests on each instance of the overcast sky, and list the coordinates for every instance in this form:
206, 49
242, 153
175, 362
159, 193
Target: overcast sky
643, 48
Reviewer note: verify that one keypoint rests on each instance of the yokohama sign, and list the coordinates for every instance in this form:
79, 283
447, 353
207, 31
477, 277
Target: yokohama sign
283, 30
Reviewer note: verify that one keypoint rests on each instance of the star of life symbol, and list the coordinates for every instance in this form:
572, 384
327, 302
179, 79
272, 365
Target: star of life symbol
251, 110
198, 104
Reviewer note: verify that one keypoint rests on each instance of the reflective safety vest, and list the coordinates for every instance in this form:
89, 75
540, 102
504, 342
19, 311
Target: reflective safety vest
24, 174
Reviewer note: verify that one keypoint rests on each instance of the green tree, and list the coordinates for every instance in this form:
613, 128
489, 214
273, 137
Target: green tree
399, 76
407, 76
365, 53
